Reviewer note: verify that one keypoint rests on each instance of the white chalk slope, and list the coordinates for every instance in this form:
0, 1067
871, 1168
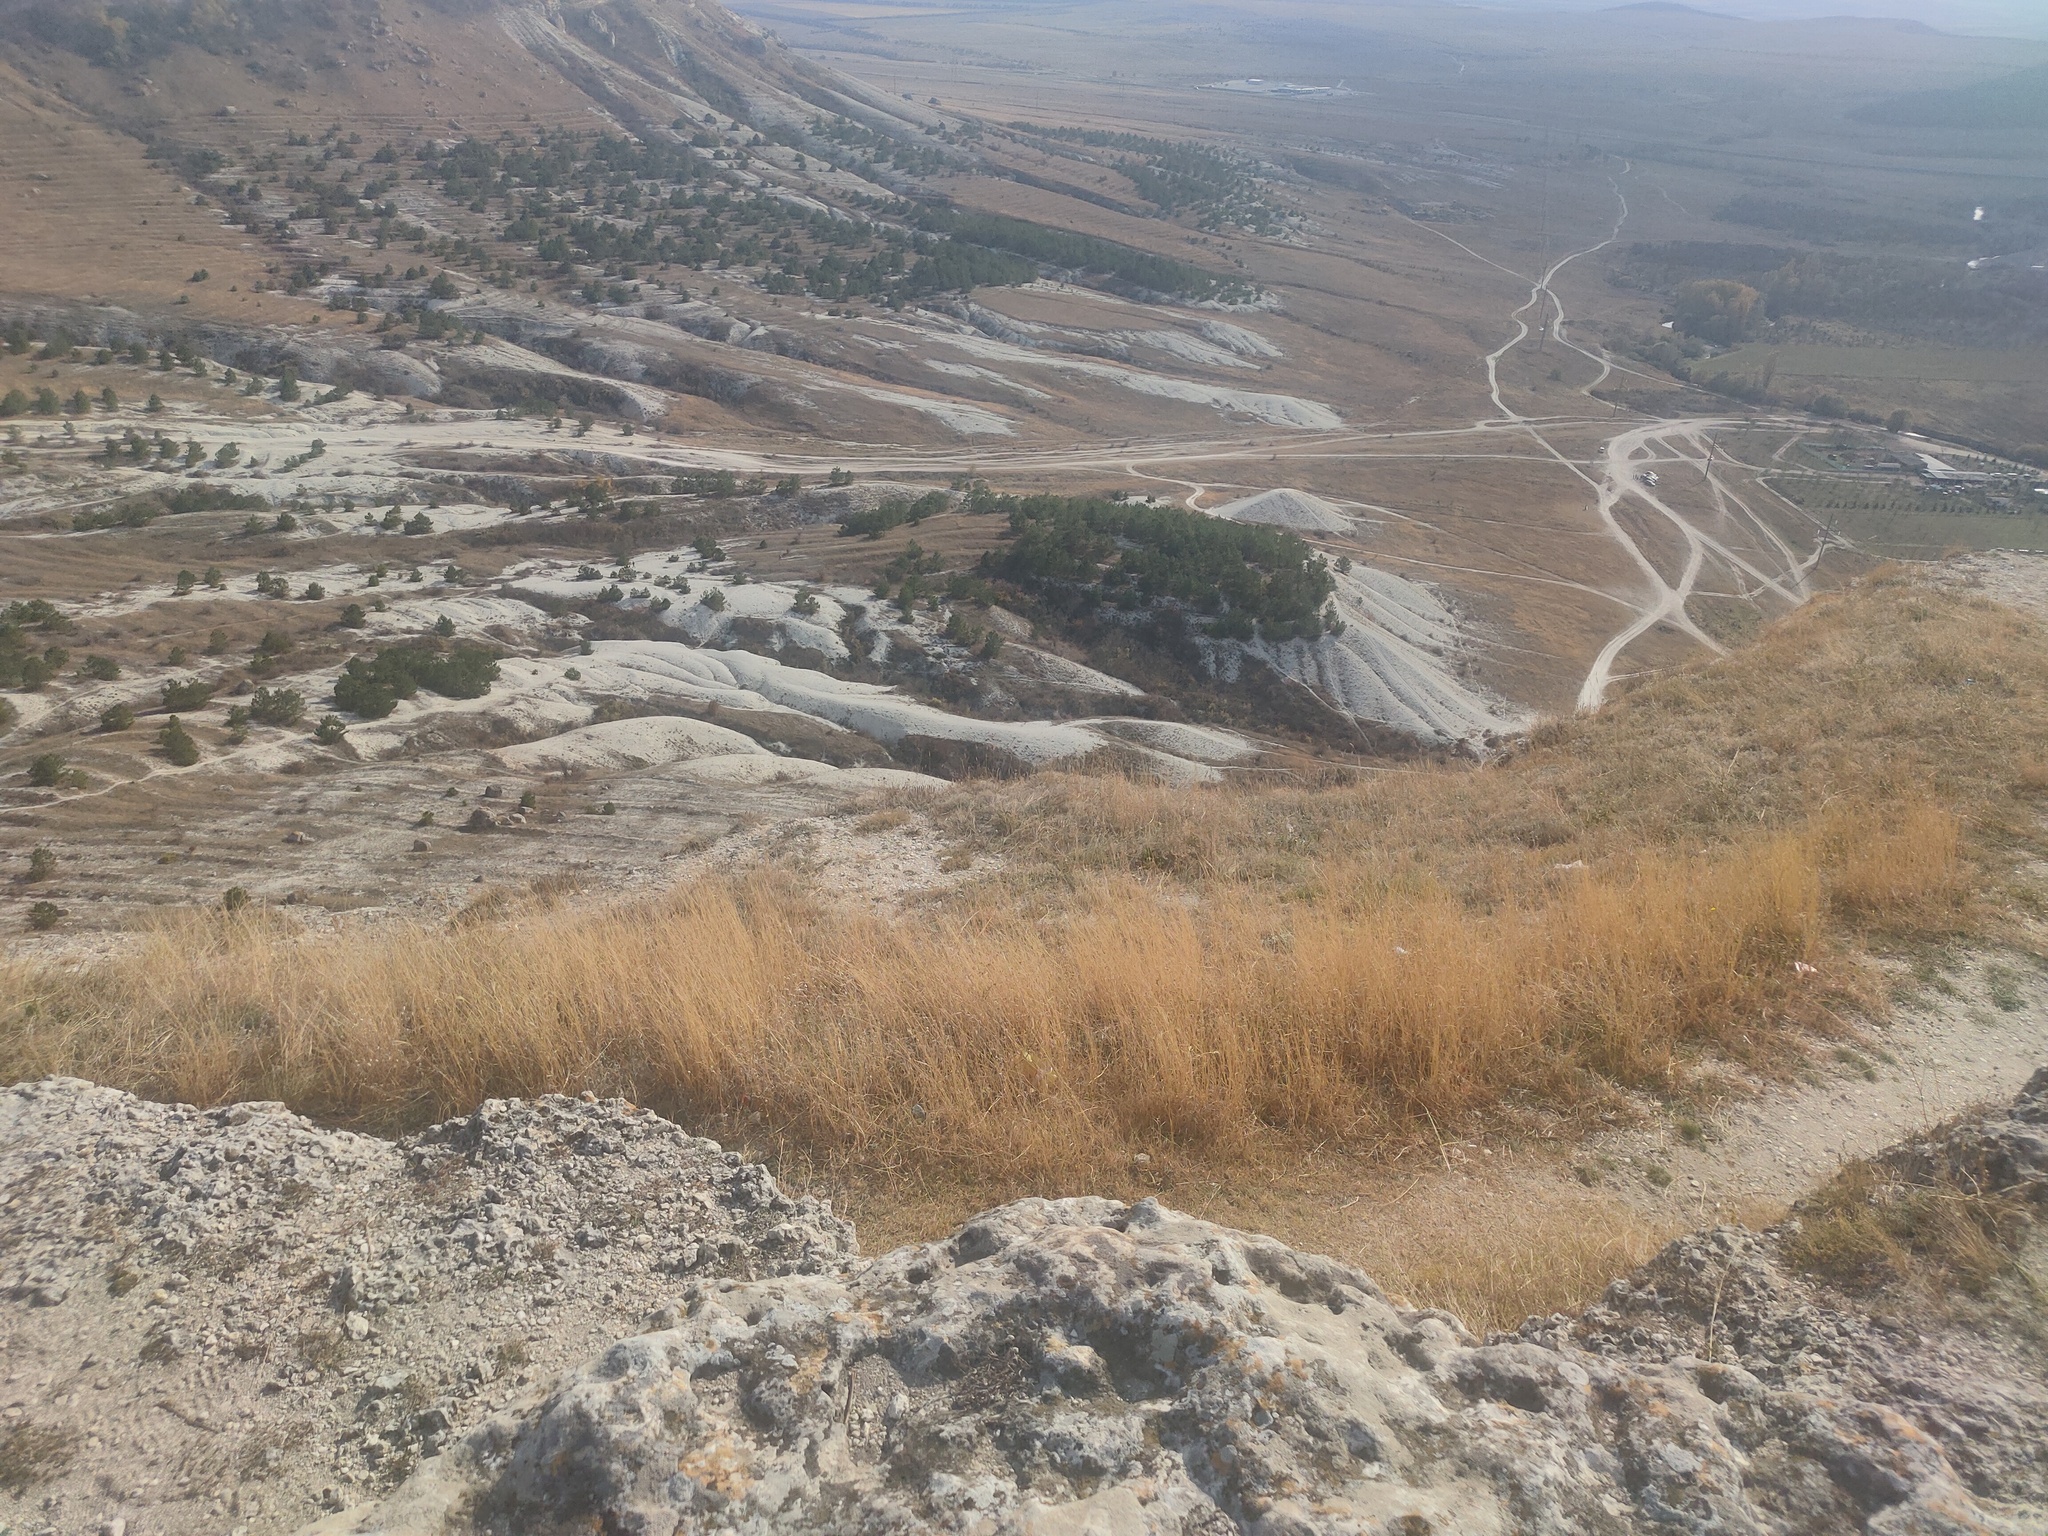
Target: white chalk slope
1391, 664
1285, 508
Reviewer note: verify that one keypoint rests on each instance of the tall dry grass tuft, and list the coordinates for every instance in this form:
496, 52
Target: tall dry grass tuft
1543, 1257
1895, 869
1013, 1043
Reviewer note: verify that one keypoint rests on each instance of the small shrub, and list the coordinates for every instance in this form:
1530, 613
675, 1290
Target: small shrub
30, 1452
353, 617
183, 583
46, 770
419, 523
101, 669
234, 899
314, 592
714, 600
44, 916
187, 693
176, 744
276, 706
372, 688
330, 730
42, 863
116, 717
2003, 988
444, 627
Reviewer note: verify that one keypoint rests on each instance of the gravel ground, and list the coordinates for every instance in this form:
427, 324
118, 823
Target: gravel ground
231, 1320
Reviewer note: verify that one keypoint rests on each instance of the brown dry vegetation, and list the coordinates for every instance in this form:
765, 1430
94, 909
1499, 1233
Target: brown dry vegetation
86, 215
1872, 1229
1208, 977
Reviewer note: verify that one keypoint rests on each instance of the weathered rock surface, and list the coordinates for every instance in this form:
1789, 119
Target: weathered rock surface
1083, 1366
1070, 1366
224, 1319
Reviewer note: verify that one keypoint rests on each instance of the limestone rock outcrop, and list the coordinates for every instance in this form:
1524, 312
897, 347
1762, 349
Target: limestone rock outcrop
570, 1315
1081, 1366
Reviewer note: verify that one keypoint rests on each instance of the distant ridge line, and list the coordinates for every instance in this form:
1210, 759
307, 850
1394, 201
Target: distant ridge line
1674, 6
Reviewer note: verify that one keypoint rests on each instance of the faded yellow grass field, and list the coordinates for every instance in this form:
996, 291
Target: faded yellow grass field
1223, 981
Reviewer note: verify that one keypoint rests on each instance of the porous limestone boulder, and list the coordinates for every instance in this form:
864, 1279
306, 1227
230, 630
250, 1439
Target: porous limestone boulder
1080, 1366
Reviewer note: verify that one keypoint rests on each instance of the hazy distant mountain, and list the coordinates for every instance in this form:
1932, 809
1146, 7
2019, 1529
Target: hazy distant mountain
2007, 18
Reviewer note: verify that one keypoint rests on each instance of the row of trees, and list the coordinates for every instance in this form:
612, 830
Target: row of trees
372, 686
1232, 580
46, 402
1725, 292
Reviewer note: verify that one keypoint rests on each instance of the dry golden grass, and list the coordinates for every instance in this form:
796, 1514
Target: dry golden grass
1046, 1046
1545, 1256
1228, 981
1869, 1229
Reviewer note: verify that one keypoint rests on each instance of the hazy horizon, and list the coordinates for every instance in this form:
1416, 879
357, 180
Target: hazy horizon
1996, 18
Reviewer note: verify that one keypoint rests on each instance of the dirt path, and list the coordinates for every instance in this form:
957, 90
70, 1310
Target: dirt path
1938, 1057
1506, 1227
1542, 295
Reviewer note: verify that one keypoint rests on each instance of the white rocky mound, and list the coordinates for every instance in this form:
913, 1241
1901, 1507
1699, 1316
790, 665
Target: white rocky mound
1286, 508
221, 1318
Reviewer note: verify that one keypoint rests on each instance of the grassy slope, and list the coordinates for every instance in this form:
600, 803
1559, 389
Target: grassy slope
1210, 977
